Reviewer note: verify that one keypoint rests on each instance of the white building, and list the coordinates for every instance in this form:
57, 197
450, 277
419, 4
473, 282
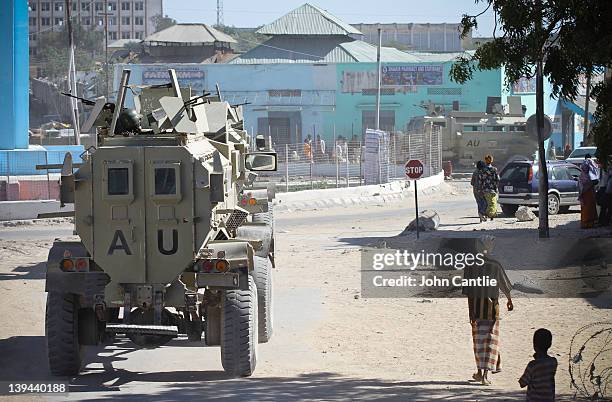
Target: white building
127, 19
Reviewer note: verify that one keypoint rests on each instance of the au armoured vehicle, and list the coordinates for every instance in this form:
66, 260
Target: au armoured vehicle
174, 237
466, 137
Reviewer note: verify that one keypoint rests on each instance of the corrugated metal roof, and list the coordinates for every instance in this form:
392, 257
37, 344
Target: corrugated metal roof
308, 20
291, 49
439, 57
122, 43
190, 33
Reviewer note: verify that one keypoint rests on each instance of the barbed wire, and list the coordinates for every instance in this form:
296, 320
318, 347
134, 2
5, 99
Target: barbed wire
590, 365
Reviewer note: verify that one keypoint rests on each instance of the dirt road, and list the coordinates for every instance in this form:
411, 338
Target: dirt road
329, 343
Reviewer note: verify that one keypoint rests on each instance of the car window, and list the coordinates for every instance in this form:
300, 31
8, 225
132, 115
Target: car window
581, 152
560, 173
573, 172
519, 172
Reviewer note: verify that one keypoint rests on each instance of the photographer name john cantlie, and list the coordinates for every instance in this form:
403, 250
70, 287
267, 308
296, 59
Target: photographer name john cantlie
432, 281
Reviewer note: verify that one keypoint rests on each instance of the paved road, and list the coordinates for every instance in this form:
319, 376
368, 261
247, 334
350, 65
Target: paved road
302, 361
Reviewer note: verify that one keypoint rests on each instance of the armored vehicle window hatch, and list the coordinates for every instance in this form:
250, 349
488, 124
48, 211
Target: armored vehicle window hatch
165, 182
119, 180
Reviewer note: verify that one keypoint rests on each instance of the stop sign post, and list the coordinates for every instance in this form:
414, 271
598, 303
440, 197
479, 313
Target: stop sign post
414, 170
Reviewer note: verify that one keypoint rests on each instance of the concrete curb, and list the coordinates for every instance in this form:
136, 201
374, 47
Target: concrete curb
14, 210
372, 194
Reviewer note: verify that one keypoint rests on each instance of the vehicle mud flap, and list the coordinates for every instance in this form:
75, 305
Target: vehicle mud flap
262, 274
62, 334
239, 335
212, 323
89, 327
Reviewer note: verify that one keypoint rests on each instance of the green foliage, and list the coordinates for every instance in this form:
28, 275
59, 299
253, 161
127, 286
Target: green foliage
247, 39
572, 37
162, 22
53, 51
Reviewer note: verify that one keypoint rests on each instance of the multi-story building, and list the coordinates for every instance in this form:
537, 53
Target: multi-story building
127, 19
444, 37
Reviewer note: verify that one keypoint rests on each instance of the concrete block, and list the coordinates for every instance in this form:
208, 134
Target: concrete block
12, 210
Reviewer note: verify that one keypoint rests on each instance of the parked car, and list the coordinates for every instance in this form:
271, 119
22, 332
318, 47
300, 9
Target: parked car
578, 154
518, 185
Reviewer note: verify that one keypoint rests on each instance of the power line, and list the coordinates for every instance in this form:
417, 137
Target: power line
52, 27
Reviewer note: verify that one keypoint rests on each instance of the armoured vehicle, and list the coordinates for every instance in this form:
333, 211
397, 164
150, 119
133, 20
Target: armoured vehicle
172, 231
466, 137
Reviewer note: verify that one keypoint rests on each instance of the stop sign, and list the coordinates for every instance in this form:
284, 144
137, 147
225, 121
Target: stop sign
414, 169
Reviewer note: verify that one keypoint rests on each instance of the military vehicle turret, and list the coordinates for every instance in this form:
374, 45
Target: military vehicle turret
174, 238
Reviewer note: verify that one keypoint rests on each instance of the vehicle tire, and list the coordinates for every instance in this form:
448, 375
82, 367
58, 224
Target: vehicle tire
239, 334
62, 334
564, 209
263, 280
265, 217
509, 209
553, 204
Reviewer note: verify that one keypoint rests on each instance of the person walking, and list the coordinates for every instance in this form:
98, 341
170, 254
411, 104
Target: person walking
586, 194
483, 307
481, 202
489, 180
308, 148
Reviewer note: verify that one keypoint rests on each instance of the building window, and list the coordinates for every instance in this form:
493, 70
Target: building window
112, 6
125, 35
32, 6
125, 20
33, 37
112, 20
45, 6
125, 6
100, 21
138, 21
86, 21
45, 21
32, 51
59, 21
58, 7
32, 21
138, 35
74, 6
112, 35
138, 6
99, 6
86, 6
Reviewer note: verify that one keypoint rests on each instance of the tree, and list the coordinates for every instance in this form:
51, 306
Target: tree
567, 38
575, 39
247, 38
162, 22
53, 53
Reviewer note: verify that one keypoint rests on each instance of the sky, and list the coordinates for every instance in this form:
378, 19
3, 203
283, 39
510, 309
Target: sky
241, 13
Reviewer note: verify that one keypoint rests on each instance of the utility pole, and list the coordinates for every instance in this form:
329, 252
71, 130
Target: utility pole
543, 230
72, 76
585, 135
219, 13
378, 74
106, 14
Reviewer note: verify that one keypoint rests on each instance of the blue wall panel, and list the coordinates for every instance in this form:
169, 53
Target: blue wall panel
14, 74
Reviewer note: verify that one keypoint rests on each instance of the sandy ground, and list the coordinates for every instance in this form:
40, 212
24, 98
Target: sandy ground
330, 343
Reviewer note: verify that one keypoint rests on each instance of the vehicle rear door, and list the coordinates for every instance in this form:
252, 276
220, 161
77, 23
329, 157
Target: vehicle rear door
514, 179
118, 218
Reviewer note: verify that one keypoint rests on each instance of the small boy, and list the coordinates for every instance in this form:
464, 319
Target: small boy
539, 376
